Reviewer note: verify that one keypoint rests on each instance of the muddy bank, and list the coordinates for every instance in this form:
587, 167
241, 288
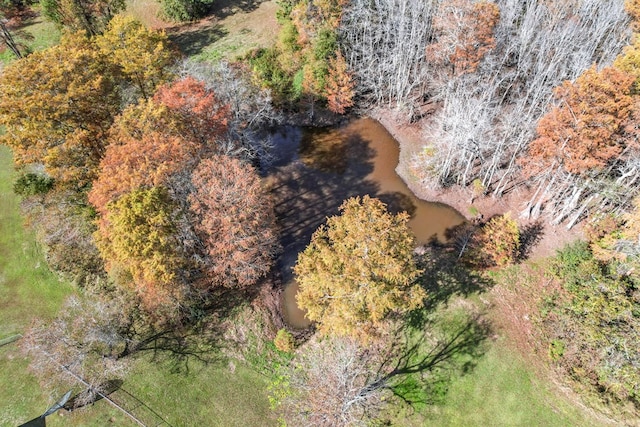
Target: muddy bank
410, 139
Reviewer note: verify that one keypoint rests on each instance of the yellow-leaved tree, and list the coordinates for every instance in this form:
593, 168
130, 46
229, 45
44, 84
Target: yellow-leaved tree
141, 248
57, 106
142, 55
358, 270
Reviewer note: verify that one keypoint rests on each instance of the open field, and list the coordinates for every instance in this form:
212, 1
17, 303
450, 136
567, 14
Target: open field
232, 30
502, 391
28, 289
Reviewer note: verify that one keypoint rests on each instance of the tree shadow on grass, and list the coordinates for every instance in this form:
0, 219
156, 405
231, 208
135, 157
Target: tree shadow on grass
223, 8
194, 40
530, 236
445, 276
91, 396
444, 339
426, 361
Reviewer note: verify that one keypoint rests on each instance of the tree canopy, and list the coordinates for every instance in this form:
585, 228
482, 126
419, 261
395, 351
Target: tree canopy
90, 16
138, 239
142, 55
57, 106
591, 126
235, 220
358, 270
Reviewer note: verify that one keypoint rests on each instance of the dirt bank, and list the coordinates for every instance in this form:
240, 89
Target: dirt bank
409, 136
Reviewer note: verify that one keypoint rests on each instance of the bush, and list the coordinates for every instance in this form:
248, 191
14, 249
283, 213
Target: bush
284, 341
556, 349
30, 184
267, 69
593, 328
184, 10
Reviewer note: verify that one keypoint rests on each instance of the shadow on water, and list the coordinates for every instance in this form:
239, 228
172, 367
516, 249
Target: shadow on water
313, 186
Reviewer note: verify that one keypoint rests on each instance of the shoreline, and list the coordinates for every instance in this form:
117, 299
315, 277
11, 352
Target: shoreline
410, 140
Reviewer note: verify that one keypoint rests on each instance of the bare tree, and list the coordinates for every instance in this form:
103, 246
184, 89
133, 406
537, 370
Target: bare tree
334, 382
7, 38
251, 109
86, 342
384, 43
489, 118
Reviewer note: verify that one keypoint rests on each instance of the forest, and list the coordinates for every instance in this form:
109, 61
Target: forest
143, 170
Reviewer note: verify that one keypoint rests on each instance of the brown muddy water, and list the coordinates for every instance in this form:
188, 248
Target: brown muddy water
315, 170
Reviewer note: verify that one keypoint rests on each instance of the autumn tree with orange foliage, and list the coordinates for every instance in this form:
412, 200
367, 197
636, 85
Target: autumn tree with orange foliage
203, 117
592, 124
235, 221
633, 9
134, 164
464, 34
340, 88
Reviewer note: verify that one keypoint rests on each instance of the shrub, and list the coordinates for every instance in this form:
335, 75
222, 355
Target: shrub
284, 341
184, 10
30, 184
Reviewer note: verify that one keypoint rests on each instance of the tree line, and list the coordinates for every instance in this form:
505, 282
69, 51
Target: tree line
140, 180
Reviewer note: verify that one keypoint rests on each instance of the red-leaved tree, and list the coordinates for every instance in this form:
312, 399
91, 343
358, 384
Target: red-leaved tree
202, 115
592, 124
134, 164
235, 221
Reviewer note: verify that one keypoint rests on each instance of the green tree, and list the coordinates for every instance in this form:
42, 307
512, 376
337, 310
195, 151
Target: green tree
184, 10
142, 55
57, 106
358, 270
596, 321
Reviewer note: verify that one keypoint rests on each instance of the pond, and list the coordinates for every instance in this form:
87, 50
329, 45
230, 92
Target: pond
315, 170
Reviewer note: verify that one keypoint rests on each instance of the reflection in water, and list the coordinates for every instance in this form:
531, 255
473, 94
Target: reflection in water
316, 170
324, 151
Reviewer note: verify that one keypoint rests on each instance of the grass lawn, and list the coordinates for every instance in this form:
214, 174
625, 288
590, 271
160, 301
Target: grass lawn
230, 31
27, 287
27, 290
36, 34
501, 391
206, 395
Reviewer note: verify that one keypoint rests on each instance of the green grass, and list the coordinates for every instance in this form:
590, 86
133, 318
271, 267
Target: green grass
485, 382
206, 395
502, 391
27, 286
28, 289
36, 34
